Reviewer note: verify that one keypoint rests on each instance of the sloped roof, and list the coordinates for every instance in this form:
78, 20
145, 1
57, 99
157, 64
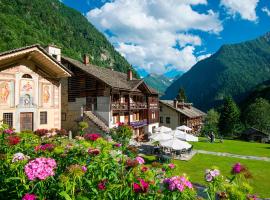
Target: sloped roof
38, 52
112, 78
191, 112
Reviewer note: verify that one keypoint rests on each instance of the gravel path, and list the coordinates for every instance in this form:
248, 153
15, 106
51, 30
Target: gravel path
233, 155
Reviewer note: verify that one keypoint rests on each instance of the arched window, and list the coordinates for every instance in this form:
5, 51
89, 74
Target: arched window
27, 76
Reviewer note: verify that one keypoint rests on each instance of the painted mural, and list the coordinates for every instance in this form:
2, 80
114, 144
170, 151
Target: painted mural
5, 91
46, 94
26, 92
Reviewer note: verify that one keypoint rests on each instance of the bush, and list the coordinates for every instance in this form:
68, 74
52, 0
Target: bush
122, 134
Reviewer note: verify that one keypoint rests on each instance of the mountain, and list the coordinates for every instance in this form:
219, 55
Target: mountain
159, 82
25, 22
233, 70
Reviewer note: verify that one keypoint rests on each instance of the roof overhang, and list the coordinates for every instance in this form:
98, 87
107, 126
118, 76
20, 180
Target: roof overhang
43, 62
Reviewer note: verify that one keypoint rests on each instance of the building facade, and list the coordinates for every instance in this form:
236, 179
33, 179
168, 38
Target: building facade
174, 114
30, 89
107, 98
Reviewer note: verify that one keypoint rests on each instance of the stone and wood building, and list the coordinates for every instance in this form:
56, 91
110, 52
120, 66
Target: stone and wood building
30, 89
174, 113
255, 135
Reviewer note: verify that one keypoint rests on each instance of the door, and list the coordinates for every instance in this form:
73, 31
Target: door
26, 121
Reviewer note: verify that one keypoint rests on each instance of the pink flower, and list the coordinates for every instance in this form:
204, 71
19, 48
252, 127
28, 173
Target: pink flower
44, 147
140, 160
211, 174
237, 168
93, 151
101, 185
117, 145
92, 136
84, 168
171, 165
144, 169
179, 183
40, 168
142, 187
8, 131
28, 196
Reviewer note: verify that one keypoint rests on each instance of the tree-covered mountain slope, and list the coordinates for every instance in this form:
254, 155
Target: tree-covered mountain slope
25, 22
159, 82
234, 70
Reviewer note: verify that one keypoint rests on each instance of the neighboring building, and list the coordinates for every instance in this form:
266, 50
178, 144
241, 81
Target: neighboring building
30, 89
107, 98
174, 114
253, 134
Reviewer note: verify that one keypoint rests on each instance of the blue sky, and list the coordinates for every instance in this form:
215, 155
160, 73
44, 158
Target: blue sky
164, 37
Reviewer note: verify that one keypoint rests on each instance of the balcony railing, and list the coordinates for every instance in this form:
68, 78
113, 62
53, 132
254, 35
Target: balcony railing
119, 106
138, 105
153, 105
138, 124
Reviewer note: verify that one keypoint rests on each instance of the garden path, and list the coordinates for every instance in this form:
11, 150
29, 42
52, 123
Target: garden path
233, 155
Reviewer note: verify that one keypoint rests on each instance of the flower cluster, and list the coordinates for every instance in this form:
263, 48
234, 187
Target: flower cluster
13, 140
211, 174
252, 197
44, 147
8, 131
171, 166
140, 160
177, 183
141, 187
76, 170
29, 197
102, 184
117, 145
19, 157
93, 152
40, 168
239, 168
92, 136
41, 132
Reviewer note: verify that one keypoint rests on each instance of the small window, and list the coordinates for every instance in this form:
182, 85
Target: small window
168, 120
43, 118
8, 119
54, 55
160, 108
27, 76
161, 120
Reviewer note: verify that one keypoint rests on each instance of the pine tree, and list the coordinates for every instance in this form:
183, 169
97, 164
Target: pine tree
229, 123
181, 95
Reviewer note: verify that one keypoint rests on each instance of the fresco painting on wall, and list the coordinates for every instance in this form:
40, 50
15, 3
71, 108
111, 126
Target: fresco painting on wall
26, 92
46, 94
5, 91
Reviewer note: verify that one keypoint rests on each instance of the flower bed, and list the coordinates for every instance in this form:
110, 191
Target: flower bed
92, 167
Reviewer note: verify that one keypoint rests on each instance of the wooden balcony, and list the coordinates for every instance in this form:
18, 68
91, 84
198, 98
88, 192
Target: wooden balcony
153, 105
138, 105
138, 124
119, 106
133, 106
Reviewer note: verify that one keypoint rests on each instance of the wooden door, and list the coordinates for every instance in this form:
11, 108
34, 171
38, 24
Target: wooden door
26, 121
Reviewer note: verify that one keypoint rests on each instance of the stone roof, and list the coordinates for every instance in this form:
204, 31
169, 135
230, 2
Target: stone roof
190, 111
110, 77
39, 47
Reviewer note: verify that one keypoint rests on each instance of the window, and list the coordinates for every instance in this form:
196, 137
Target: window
153, 115
160, 108
168, 120
161, 120
27, 76
43, 118
8, 119
54, 55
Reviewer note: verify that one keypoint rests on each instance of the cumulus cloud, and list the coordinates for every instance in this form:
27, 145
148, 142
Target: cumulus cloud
153, 34
245, 8
266, 10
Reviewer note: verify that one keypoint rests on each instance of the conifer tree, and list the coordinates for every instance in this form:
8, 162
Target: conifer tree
181, 95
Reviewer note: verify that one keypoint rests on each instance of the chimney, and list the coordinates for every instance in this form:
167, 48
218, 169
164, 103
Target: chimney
54, 51
129, 75
86, 60
175, 102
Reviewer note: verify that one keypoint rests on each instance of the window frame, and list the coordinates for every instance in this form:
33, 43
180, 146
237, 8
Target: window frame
168, 120
7, 121
41, 118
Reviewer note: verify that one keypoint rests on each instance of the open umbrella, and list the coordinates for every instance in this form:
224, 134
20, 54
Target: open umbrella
175, 144
162, 129
183, 128
184, 136
161, 136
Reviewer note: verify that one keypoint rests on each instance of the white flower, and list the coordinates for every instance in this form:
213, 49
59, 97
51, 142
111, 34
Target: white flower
19, 156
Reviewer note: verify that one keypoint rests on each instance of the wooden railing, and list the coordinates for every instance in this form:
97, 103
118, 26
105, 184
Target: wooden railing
138, 105
119, 106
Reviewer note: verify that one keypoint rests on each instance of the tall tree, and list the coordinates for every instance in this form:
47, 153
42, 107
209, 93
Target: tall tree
211, 122
181, 95
257, 115
229, 122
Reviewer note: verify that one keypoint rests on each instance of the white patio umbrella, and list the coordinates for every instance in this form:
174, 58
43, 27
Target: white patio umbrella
183, 128
175, 144
162, 129
161, 136
185, 136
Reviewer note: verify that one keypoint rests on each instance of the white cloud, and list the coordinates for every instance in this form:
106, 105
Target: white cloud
147, 31
266, 10
202, 57
245, 8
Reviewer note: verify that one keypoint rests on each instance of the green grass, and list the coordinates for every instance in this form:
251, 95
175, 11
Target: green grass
196, 166
234, 146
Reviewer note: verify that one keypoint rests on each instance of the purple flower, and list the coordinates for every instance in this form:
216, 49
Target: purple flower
171, 165
84, 168
179, 183
237, 168
28, 196
208, 177
117, 145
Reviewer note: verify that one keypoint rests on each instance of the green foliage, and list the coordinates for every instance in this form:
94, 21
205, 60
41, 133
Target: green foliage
232, 71
181, 95
25, 22
229, 123
122, 134
82, 126
211, 122
257, 115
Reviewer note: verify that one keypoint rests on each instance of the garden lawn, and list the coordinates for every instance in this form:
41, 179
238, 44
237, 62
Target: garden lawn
234, 146
196, 166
